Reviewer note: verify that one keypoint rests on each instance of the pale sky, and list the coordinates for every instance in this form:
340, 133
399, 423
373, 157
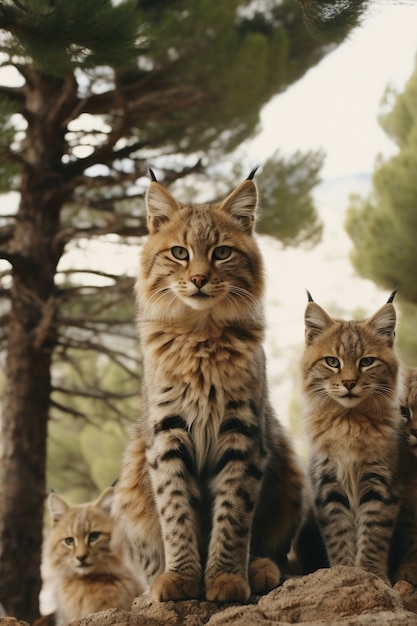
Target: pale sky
336, 105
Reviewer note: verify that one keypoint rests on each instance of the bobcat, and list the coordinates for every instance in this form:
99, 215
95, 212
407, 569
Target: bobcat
351, 385
210, 481
87, 555
404, 549
409, 408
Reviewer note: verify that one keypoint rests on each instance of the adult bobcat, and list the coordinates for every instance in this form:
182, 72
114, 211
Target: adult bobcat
210, 481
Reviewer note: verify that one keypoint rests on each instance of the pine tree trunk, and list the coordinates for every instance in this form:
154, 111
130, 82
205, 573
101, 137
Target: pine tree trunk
31, 340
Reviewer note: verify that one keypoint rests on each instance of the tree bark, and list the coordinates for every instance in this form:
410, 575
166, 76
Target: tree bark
31, 340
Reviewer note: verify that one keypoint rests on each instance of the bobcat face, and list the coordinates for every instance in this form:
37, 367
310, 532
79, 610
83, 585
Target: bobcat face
410, 428
84, 550
80, 540
201, 257
204, 275
349, 380
409, 407
349, 362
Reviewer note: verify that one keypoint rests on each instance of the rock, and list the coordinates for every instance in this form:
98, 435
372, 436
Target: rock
340, 596
408, 594
12, 621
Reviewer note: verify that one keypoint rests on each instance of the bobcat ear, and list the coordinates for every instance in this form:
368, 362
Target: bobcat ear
384, 320
253, 172
392, 296
152, 175
241, 205
105, 499
161, 206
316, 321
57, 507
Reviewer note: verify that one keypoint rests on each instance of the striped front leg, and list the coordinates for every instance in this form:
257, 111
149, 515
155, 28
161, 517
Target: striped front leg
335, 515
378, 512
235, 485
172, 470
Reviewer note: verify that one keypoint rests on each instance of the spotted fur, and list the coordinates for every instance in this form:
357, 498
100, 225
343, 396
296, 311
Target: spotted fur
350, 379
210, 482
87, 559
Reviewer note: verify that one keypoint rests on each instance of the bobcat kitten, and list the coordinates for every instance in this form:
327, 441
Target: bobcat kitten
210, 480
87, 555
350, 382
404, 550
409, 408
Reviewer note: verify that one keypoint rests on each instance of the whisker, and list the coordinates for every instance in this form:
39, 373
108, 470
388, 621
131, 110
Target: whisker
243, 293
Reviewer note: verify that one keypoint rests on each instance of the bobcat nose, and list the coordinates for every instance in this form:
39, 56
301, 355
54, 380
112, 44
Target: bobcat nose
82, 557
199, 280
349, 384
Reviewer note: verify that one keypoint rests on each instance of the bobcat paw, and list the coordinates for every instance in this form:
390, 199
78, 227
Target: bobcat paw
227, 588
264, 576
174, 586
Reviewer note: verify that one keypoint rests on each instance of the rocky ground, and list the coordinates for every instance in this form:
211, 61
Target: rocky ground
341, 596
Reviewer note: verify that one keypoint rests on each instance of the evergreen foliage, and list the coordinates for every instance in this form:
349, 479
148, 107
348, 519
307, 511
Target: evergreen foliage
383, 225
59, 36
288, 212
331, 20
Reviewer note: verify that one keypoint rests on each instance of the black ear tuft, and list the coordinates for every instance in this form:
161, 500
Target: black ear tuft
309, 296
392, 296
152, 175
253, 172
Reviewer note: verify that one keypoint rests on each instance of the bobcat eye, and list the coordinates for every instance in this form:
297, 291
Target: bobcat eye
92, 537
405, 412
366, 361
332, 361
69, 541
180, 253
221, 253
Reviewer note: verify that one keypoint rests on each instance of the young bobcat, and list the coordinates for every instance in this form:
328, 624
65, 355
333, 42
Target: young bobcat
404, 550
350, 380
87, 555
409, 408
210, 480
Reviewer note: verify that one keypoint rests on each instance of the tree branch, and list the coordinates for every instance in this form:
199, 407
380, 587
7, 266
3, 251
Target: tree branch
95, 394
78, 344
66, 409
116, 228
